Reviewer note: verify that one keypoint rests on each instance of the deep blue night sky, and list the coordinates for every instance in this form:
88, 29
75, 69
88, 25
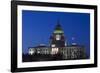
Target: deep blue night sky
37, 26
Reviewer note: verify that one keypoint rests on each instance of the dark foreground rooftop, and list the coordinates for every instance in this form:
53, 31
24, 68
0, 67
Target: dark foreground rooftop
38, 57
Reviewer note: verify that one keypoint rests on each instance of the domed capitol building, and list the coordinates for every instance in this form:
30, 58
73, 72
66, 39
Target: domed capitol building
58, 48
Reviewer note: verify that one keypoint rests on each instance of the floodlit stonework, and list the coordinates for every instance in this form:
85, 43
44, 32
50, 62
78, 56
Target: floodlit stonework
59, 46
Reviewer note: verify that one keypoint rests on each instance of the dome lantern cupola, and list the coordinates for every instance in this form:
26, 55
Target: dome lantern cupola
57, 38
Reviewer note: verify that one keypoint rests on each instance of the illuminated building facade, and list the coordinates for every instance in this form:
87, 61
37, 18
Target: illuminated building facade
58, 45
